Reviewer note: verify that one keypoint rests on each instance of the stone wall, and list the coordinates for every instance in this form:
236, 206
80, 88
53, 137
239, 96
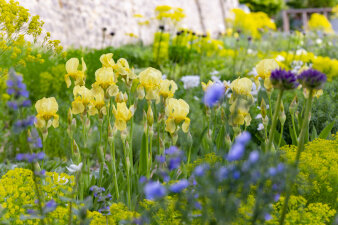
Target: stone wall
80, 22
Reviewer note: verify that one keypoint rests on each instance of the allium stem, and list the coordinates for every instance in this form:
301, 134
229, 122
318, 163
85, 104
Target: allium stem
274, 120
299, 151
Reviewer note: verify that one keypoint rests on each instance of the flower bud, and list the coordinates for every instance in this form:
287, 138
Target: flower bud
150, 116
263, 108
69, 117
281, 114
293, 106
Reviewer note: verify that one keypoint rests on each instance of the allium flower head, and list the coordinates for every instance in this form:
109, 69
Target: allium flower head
283, 79
312, 79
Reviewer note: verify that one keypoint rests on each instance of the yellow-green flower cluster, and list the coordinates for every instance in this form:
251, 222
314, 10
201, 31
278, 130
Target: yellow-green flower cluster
161, 46
165, 12
250, 23
319, 22
17, 191
318, 170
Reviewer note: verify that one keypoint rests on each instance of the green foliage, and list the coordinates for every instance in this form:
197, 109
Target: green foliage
311, 3
271, 7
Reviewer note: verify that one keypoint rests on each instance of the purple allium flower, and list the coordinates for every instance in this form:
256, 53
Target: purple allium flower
179, 186
214, 94
254, 156
243, 138
283, 79
312, 79
154, 190
236, 152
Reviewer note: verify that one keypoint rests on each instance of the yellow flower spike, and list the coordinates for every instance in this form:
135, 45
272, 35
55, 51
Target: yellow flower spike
122, 115
73, 72
242, 86
107, 60
83, 96
46, 110
150, 79
167, 88
177, 111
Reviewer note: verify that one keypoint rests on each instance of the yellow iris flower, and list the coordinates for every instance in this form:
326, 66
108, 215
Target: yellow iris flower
167, 88
47, 109
150, 79
242, 86
73, 72
264, 69
240, 112
122, 115
206, 85
122, 69
105, 78
83, 96
177, 111
97, 104
107, 60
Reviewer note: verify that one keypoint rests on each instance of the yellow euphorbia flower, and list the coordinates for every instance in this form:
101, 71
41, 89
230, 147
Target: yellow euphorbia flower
242, 86
73, 72
122, 114
167, 88
97, 104
105, 78
83, 96
177, 111
264, 69
107, 60
150, 79
206, 85
46, 109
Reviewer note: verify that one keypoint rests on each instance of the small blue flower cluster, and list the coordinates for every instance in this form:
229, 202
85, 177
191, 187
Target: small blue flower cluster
50, 206
34, 157
18, 91
102, 199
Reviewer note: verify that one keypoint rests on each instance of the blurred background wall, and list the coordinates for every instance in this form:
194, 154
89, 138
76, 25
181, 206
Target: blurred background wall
80, 22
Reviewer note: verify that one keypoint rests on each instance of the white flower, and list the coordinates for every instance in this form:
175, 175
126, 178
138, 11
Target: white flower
260, 126
259, 116
253, 72
279, 58
254, 89
214, 72
250, 51
191, 81
319, 41
196, 98
216, 79
301, 52
74, 168
164, 76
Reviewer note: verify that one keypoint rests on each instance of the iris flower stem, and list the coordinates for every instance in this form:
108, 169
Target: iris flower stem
147, 150
113, 160
294, 128
270, 106
299, 151
100, 156
274, 120
127, 162
38, 194
281, 135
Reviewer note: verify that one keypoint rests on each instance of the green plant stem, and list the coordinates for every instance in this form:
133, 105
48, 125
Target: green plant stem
300, 149
281, 135
113, 160
38, 195
294, 128
127, 162
101, 159
147, 151
274, 120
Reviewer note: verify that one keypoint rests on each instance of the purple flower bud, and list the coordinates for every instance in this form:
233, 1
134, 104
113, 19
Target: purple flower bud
20, 157
236, 174
154, 190
10, 83
26, 103
24, 93
10, 91
283, 79
13, 105
214, 94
